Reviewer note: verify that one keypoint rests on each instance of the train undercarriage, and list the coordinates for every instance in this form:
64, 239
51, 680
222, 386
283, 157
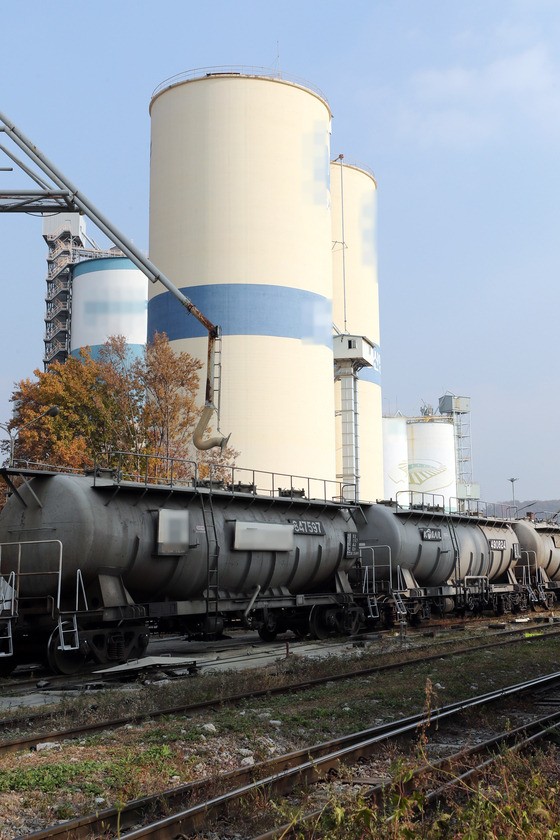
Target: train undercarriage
70, 641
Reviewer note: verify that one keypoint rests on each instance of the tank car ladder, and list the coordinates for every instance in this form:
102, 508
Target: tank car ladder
212, 579
526, 584
68, 633
217, 377
455, 547
368, 585
396, 595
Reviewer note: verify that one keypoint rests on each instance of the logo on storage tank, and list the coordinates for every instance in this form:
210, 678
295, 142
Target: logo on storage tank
431, 534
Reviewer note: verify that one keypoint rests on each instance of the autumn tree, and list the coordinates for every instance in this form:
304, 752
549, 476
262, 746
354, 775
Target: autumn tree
114, 403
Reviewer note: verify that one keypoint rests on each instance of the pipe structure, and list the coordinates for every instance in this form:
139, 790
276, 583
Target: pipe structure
80, 203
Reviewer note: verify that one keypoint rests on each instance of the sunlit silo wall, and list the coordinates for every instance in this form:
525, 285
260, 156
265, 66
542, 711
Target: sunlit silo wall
109, 297
240, 221
431, 459
356, 307
395, 457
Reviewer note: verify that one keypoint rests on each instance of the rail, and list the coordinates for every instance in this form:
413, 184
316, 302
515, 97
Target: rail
243, 70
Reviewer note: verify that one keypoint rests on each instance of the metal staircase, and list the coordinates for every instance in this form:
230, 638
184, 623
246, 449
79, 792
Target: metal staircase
217, 376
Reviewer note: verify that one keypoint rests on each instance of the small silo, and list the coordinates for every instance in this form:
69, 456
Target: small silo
356, 311
240, 222
395, 457
431, 460
109, 297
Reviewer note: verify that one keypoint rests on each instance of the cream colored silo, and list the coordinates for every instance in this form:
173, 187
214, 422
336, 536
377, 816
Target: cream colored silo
240, 221
356, 309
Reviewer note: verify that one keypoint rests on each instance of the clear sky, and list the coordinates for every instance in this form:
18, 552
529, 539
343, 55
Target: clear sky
455, 106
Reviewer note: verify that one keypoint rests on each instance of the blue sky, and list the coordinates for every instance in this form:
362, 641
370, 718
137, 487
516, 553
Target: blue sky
455, 106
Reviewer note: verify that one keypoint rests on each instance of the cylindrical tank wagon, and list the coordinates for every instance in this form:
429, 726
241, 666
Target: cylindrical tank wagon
440, 560
540, 543
91, 563
101, 553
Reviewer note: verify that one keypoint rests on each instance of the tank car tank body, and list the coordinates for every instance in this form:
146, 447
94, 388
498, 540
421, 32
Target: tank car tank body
540, 541
439, 560
100, 554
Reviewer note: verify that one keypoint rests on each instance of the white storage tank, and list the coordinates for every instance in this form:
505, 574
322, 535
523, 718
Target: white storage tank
431, 460
109, 297
240, 222
356, 308
395, 457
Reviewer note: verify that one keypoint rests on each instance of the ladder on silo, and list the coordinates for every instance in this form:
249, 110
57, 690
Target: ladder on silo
217, 377
213, 553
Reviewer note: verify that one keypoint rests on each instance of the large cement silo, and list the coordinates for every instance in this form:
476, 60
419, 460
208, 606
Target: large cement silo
109, 297
240, 221
356, 311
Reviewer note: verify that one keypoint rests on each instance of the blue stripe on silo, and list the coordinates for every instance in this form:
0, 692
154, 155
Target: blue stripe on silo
245, 309
102, 264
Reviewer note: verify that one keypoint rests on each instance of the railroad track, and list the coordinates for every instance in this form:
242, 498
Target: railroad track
223, 654
83, 730
193, 806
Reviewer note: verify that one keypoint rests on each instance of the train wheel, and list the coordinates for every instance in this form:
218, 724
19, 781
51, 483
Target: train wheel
66, 662
269, 631
317, 624
7, 665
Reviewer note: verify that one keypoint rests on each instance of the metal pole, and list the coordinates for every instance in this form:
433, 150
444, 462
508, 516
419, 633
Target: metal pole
513, 480
341, 158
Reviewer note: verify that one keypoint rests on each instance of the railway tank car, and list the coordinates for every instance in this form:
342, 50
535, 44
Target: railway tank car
426, 559
91, 564
95, 560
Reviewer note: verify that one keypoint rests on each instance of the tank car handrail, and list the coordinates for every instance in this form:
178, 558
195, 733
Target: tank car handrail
42, 572
25, 464
412, 494
121, 473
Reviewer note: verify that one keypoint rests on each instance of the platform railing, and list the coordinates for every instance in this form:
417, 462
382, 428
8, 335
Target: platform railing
158, 470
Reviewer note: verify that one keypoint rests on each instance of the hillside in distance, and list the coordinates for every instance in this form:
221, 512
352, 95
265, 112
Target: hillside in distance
536, 506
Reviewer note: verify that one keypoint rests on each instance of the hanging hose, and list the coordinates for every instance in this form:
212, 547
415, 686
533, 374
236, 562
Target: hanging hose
207, 443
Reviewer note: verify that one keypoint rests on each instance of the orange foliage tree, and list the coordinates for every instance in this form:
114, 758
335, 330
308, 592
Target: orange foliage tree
114, 403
